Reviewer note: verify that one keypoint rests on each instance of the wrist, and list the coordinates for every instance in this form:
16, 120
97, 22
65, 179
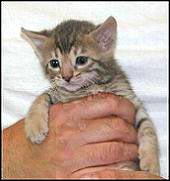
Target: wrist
21, 158
15, 150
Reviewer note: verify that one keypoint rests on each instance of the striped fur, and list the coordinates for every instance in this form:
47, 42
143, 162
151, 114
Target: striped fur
73, 38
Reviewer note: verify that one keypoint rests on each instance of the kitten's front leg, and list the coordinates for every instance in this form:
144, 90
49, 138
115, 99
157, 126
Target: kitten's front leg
36, 121
148, 147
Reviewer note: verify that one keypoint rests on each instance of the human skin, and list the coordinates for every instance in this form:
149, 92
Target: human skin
82, 133
116, 174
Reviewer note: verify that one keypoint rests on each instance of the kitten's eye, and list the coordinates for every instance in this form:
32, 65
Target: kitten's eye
81, 60
54, 63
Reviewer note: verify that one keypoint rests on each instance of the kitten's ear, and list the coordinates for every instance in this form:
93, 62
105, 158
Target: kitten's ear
35, 39
105, 34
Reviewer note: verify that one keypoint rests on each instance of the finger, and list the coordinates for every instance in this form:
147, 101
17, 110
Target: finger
101, 154
128, 165
120, 174
101, 130
97, 106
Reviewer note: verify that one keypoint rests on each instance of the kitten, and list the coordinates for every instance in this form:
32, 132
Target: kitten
78, 59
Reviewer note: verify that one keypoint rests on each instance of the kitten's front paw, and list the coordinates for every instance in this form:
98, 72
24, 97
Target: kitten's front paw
36, 128
149, 160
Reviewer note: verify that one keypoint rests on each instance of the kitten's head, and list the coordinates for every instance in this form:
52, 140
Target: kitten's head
76, 54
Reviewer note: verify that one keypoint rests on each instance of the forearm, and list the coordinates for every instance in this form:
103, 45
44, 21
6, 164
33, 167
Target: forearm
19, 155
11, 154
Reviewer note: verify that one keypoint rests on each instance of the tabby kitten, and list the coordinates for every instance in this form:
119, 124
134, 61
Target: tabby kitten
78, 59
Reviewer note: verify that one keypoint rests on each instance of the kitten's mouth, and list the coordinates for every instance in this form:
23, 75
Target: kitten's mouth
75, 86
80, 82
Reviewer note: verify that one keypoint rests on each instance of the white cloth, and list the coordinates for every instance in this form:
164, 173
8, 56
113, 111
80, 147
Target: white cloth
141, 50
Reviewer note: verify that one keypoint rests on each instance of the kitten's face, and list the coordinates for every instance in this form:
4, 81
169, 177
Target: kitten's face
76, 54
73, 70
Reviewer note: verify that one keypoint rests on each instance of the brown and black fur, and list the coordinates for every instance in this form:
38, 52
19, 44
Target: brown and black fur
66, 41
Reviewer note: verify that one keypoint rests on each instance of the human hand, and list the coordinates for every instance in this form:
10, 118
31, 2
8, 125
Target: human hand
83, 133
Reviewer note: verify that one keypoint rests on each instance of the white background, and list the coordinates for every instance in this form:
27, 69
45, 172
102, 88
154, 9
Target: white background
141, 50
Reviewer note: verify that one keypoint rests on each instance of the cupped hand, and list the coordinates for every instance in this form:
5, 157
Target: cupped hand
91, 132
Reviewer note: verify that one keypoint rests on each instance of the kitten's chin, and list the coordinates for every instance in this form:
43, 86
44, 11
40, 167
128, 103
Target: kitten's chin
72, 88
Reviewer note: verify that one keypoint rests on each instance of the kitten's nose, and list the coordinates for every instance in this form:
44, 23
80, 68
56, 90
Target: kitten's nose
67, 78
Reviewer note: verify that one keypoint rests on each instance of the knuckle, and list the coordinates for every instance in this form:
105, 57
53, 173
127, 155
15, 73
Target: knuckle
115, 123
82, 125
63, 138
